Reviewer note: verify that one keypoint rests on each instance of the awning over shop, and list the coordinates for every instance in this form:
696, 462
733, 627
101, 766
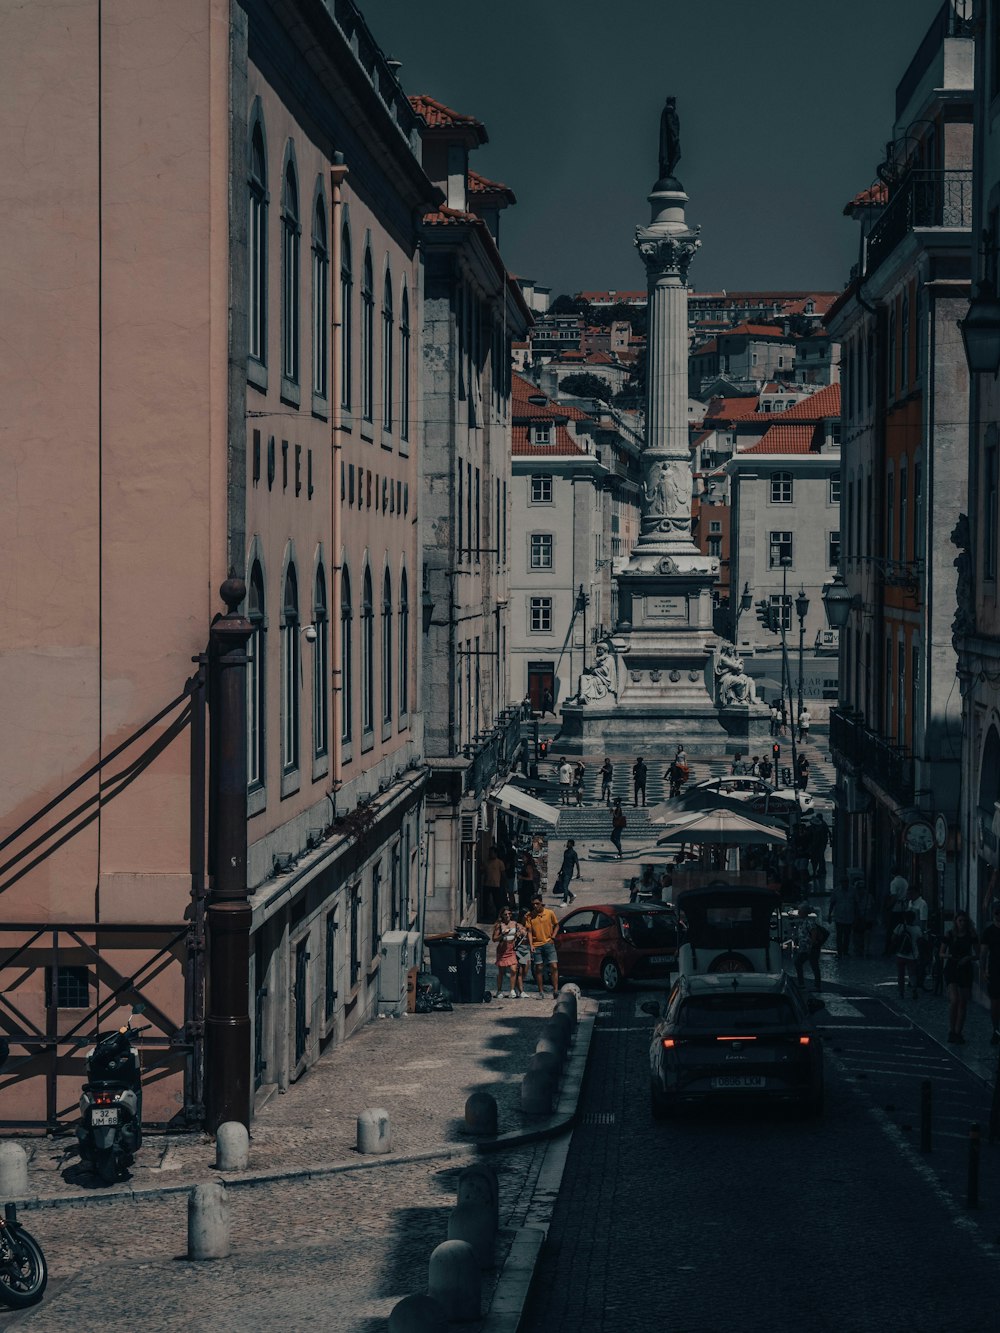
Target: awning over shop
520, 803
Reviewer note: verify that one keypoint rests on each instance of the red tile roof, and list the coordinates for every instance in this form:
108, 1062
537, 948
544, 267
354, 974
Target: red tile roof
730, 409
439, 116
478, 184
520, 443
629, 298
753, 331
708, 349
445, 216
825, 403
522, 410
780, 439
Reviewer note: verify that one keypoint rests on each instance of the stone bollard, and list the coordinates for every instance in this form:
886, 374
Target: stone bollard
537, 1093
560, 1028
208, 1221
473, 1223
479, 1183
481, 1113
232, 1146
567, 1004
547, 1063
13, 1171
418, 1314
553, 1044
453, 1278
374, 1131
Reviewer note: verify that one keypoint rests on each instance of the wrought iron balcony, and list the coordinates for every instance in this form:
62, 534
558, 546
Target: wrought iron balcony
921, 199
494, 752
891, 766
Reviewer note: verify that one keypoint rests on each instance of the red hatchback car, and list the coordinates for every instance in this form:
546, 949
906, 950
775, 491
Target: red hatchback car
612, 943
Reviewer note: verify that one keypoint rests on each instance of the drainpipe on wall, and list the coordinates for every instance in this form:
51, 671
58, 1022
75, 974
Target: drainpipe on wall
337, 174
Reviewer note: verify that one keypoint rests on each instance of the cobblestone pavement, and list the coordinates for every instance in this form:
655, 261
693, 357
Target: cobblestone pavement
760, 1221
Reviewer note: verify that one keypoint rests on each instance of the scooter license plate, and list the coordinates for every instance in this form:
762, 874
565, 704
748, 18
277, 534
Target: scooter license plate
101, 1115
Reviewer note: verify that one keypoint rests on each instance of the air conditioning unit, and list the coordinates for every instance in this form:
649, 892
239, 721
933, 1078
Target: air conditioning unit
470, 826
401, 950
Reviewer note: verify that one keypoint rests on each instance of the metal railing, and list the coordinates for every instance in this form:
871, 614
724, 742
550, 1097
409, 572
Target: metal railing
946, 23
922, 199
495, 752
891, 766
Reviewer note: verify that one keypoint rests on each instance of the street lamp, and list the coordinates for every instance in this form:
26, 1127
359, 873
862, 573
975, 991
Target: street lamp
582, 601
839, 602
981, 326
801, 610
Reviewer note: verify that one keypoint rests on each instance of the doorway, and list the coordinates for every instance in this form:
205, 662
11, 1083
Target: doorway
541, 678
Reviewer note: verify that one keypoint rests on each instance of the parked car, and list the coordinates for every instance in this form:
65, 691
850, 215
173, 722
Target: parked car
617, 942
732, 1037
764, 796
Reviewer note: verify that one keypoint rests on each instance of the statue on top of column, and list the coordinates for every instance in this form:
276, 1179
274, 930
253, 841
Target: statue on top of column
670, 139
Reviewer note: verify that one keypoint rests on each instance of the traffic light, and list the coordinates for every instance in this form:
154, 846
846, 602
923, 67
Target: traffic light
767, 615
543, 749
776, 755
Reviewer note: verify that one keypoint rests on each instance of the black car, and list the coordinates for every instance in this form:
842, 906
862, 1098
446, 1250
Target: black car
736, 1036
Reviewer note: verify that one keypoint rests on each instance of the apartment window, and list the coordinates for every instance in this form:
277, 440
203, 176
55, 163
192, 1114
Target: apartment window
404, 367
914, 691
355, 935
367, 654
346, 317
376, 917
290, 673
990, 511
321, 300
715, 525
321, 716
387, 667
904, 343
891, 353
833, 550
541, 488
404, 646
918, 511
781, 488
329, 989
503, 525
541, 433
903, 515
715, 546
541, 614
780, 549
255, 679
388, 374
347, 658
67, 988
782, 603
479, 525
541, 550
257, 248
468, 509
367, 339
834, 494
890, 511
290, 231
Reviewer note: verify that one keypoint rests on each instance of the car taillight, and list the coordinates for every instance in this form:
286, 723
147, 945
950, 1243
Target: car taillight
669, 1043
741, 1038
803, 1041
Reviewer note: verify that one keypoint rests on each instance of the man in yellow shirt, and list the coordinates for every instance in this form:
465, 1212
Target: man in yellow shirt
541, 923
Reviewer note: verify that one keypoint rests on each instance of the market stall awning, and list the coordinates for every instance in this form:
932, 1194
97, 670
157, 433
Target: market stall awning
520, 803
720, 827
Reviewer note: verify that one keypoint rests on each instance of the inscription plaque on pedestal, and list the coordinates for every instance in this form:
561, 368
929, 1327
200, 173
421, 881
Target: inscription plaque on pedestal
667, 608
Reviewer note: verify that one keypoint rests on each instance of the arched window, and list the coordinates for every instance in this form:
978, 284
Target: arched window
367, 654
255, 679
387, 339
320, 294
387, 667
290, 673
257, 248
404, 646
346, 316
367, 339
346, 659
404, 367
290, 231
321, 716
904, 535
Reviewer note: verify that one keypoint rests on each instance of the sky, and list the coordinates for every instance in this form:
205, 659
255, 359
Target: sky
785, 107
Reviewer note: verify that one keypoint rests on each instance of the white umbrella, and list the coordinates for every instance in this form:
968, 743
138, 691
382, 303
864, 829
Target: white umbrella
720, 827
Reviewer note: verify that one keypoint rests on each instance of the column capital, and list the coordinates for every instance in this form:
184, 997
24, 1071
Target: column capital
667, 255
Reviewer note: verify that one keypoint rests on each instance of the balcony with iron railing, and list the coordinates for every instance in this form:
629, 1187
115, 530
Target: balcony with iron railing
890, 766
947, 24
494, 752
921, 200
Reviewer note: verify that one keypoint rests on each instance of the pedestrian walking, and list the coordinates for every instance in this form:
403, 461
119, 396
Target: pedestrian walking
566, 774
754, 768
819, 840
547, 702
618, 824
989, 962
802, 772
764, 769
522, 955
808, 938
895, 906
494, 871
775, 720
570, 864
737, 768
541, 924
843, 913
578, 774
905, 945
916, 902
959, 950
505, 930
804, 722
607, 776
639, 772
529, 882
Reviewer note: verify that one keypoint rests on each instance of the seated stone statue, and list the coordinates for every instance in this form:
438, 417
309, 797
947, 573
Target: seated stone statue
600, 680
735, 686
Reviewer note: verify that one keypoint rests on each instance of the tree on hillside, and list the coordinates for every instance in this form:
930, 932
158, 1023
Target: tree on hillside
566, 305
584, 385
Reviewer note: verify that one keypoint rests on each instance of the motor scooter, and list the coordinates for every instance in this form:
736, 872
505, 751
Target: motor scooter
110, 1128
23, 1272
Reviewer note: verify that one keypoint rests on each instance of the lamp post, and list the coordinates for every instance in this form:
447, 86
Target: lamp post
745, 603
801, 610
581, 607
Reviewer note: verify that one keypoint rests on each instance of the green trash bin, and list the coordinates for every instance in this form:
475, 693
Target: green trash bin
458, 960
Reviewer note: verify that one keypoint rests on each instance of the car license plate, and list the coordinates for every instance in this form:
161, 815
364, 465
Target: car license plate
104, 1116
738, 1081
662, 958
